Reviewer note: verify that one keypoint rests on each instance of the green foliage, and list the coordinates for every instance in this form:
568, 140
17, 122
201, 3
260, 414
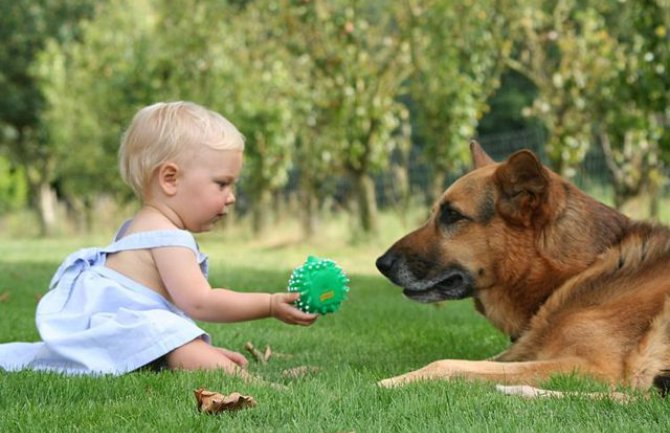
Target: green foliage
352, 62
568, 54
642, 30
600, 67
93, 85
325, 88
13, 189
458, 49
359, 63
25, 28
507, 104
265, 98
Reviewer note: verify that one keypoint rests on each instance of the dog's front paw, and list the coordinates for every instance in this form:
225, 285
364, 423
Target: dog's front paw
388, 383
403, 379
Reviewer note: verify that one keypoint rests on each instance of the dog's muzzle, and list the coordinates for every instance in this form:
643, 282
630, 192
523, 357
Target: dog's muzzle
423, 281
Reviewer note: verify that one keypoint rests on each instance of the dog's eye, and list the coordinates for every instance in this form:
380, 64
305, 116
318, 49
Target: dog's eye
449, 215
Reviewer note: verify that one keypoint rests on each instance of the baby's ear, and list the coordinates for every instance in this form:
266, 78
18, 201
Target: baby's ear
167, 177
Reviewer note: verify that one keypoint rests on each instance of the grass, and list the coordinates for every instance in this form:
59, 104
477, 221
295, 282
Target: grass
376, 334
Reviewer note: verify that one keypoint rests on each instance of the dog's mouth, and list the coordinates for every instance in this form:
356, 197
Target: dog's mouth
424, 282
450, 285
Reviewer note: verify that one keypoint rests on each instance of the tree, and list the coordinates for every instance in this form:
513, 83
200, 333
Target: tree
25, 28
236, 67
600, 69
93, 85
567, 53
358, 64
459, 49
633, 119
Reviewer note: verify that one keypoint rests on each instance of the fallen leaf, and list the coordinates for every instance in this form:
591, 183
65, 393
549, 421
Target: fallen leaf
301, 371
267, 354
4, 296
214, 402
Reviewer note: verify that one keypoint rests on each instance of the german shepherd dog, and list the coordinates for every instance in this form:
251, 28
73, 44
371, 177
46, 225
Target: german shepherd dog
577, 286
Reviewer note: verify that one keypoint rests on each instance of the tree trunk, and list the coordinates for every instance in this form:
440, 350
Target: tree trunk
261, 212
309, 206
401, 191
46, 208
364, 191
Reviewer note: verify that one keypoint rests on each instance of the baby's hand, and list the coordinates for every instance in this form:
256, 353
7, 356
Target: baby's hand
281, 308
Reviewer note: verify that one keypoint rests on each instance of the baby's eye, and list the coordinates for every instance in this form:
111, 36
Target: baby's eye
223, 184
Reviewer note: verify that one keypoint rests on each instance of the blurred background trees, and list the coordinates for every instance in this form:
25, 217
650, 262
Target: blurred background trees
346, 105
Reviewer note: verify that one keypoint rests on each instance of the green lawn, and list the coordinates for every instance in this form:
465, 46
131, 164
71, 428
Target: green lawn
377, 333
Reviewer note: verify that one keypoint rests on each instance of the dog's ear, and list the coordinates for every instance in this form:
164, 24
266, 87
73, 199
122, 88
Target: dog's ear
523, 183
479, 157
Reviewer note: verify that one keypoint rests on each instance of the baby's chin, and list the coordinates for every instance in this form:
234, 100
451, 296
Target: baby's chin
202, 228
206, 226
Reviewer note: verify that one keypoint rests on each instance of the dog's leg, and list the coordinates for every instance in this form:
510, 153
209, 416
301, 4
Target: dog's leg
526, 373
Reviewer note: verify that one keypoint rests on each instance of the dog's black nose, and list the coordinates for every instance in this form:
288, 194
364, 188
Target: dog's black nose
385, 262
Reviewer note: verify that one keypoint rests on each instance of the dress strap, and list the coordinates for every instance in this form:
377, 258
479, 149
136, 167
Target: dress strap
157, 239
153, 239
83, 259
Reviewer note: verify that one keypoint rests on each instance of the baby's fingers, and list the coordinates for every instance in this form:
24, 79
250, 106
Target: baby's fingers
297, 317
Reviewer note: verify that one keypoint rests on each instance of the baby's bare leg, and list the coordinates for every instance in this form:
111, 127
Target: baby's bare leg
199, 355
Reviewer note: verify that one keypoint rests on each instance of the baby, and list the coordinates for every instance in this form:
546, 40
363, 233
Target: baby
132, 304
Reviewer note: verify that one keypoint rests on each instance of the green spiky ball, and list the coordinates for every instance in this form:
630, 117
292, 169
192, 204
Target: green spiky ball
322, 284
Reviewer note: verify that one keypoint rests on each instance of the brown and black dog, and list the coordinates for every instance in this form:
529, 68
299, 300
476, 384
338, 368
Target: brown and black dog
576, 285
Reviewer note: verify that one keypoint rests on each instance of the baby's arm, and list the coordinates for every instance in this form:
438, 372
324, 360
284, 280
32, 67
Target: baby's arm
191, 292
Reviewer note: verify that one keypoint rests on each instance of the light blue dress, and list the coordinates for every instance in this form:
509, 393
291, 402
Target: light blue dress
94, 320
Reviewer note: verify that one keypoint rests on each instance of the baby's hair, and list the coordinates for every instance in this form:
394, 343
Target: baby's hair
169, 131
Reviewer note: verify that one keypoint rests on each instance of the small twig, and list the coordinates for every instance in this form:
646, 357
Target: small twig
267, 354
255, 352
301, 371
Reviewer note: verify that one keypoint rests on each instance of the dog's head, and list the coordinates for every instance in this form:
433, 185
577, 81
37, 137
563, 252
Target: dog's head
460, 250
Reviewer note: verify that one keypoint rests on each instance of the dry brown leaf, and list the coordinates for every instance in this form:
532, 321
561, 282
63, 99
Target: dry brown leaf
4, 296
214, 402
301, 371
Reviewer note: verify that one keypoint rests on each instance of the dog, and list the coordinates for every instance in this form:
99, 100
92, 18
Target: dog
578, 287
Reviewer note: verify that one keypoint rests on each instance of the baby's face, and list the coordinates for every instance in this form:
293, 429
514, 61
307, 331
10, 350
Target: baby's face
206, 187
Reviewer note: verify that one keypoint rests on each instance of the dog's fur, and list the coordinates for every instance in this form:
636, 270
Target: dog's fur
576, 285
